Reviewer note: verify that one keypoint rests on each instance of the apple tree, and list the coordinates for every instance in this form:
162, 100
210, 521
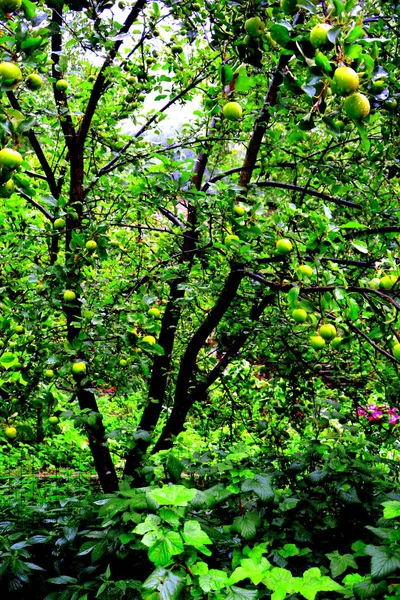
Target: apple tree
185, 186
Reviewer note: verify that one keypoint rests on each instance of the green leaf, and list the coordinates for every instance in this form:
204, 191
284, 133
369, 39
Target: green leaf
293, 297
313, 582
280, 33
174, 495
322, 61
62, 580
340, 563
247, 525
260, 485
193, 535
360, 246
281, 582
251, 568
392, 509
354, 34
167, 585
368, 589
214, 580
164, 548
236, 593
383, 561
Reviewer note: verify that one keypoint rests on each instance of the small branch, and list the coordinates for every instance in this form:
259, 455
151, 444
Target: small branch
373, 344
366, 231
355, 263
36, 205
167, 213
299, 188
38, 150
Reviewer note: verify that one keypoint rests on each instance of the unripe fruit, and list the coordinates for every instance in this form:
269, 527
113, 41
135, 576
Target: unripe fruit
49, 373
34, 81
283, 246
378, 86
10, 432
79, 368
336, 342
19, 329
149, 339
357, 106
254, 26
10, 159
387, 282
346, 80
176, 49
327, 331
232, 111
396, 351
9, 6
123, 362
7, 189
319, 34
69, 296
231, 239
53, 420
91, 245
154, 312
239, 210
299, 315
317, 342
10, 73
61, 85
305, 270
374, 284
59, 223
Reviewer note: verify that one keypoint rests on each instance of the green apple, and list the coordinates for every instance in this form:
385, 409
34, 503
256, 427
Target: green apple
123, 362
176, 49
7, 189
284, 246
232, 111
319, 35
299, 315
239, 210
231, 239
305, 270
10, 159
10, 432
19, 329
40, 288
317, 342
154, 312
375, 283
61, 85
396, 351
345, 80
59, 223
53, 420
91, 245
10, 74
387, 282
34, 81
149, 339
254, 26
327, 331
69, 296
336, 342
9, 6
79, 368
49, 373
356, 106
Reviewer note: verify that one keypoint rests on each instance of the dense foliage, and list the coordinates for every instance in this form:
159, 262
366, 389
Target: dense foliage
199, 299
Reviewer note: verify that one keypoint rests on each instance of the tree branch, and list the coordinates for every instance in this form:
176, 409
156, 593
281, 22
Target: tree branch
36, 205
100, 83
298, 188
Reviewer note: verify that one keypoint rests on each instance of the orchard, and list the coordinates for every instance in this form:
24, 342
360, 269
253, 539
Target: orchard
200, 298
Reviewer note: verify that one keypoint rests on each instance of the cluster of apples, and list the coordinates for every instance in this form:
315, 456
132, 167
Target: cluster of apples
345, 81
10, 160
